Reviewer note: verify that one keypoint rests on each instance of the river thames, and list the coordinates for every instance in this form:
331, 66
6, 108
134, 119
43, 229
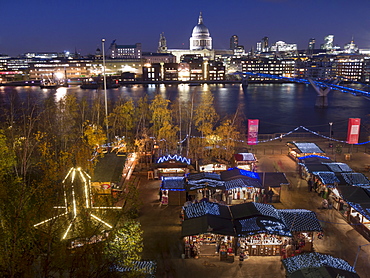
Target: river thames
279, 107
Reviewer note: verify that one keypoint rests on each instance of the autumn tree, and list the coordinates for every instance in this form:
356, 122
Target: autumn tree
205, 118
122, 119
163, 129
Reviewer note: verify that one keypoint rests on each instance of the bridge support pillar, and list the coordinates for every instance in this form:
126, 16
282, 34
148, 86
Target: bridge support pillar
322, 94
321, 102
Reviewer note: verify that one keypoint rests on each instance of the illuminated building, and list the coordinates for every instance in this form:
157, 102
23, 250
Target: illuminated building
276, 66
328, 45
200, 38
124, 51
281, 46
350, 47
349, 66
311, 44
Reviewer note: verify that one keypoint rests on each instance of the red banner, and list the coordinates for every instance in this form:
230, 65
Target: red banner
353, 130
252, 132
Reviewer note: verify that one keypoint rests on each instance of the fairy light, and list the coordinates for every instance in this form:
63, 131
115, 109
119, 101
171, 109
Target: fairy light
105, 223
70, 200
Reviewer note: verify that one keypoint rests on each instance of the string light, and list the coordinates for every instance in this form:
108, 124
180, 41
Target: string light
70, 199
174, 157
315, 260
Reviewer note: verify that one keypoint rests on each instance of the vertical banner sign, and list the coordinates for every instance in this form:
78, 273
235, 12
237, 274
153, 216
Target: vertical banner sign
353, 130
252, 132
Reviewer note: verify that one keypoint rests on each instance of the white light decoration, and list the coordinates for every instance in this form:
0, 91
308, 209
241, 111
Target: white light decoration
202, 208
315, 260
173, 157
72, 211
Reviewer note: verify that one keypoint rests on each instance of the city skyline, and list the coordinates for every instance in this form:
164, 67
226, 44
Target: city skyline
57, 26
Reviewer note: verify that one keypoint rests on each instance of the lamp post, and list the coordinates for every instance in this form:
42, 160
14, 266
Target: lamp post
330, 124
358, 252
105, 90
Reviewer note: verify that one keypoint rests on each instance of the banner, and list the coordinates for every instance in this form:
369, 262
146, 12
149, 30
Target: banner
353, 130
252, 132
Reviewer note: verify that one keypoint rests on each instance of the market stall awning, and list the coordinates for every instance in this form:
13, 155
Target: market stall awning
357, 197
204, 180
316, 167
327, 178
300, 220
235, 173
357, 179
259, 225
251, 209
204, 175
246, 219
245, 157
305, 147
273, 179
242, 183
206, 208
173, 183
207, 224
311, 265
314, 159
338, 167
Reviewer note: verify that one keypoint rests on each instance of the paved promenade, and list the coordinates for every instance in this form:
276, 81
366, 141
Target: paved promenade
161, 224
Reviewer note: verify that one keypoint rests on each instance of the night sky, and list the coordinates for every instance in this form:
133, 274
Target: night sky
56, 26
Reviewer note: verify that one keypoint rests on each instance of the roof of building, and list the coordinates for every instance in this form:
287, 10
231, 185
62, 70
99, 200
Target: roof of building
245, 157
109, 168
304, 147
310, 265
173, 183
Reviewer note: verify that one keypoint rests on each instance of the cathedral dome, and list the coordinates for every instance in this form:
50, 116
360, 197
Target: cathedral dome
200, 38
200, 30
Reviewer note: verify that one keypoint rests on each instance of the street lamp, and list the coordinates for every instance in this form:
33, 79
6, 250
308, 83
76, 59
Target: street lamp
105, 89
358, 251
330, 124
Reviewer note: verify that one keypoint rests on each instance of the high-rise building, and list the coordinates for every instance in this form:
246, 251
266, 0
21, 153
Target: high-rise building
200, 38
311, 44
265, 44
329, 43
351, 47
234, 42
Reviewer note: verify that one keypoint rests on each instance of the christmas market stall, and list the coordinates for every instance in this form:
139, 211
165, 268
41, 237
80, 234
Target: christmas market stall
314, 264
172, 191
208, 230
171, 166
107, 177
326, 185
258, 187
251, 228
263, 230
205, 185
246, 161
356, 207
302, 149
320, 176
212, 167
311, 163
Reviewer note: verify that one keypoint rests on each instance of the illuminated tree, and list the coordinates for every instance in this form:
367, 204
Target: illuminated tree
126, 244
205, 118
122, 120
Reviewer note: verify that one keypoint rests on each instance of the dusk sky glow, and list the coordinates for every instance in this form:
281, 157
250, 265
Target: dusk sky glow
56, 26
